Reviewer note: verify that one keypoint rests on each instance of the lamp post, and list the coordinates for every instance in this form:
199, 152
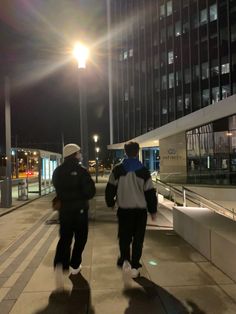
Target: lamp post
97, 150
81, 53
95, 138
6, 193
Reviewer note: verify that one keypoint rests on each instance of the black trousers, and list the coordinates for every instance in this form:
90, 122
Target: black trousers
131, 230
72, 224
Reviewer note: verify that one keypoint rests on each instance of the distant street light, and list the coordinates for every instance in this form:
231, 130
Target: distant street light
81, 54
97, 150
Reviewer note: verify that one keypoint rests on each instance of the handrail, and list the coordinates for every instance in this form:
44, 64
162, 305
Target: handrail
204, 202
187, 194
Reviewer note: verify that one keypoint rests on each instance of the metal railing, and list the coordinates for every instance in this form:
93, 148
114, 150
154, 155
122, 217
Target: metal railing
186, 197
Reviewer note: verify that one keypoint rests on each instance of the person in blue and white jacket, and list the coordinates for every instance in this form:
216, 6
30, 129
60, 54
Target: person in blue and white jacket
130, 186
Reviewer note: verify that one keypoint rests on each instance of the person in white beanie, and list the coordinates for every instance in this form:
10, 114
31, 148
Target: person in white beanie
74, 187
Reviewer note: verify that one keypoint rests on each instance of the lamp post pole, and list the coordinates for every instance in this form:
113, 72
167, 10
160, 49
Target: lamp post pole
97, 149
95, 138
81, 54
6, 199
83, 115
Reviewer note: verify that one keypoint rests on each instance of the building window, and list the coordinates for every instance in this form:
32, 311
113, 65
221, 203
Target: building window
163, 82
205, 97
126, 96
170, 57
179, 103
213, 12
131, 53
233, 33
185, 27
195, 23
225, 68
187, 76
125, 54
171, 80
215, 94
214, 68
196, 72
143, 66
205, 70
162, 11
177, 28
156, 84
169, 8
156, 61
163, 35
225, 91
170, 31
187, 102
178, 78
132, 91
203, 16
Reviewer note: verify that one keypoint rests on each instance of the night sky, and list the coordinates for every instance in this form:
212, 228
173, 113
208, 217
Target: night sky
36, 38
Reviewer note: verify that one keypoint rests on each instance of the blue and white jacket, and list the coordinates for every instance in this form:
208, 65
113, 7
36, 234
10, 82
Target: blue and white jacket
130, 186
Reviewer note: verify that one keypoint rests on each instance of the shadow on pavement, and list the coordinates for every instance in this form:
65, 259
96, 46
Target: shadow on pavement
152, 299
78, 301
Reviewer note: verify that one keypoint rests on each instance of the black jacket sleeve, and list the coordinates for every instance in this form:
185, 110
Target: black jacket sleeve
110, 192
87, 185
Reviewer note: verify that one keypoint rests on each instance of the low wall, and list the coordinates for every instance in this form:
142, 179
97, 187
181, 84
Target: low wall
213, 235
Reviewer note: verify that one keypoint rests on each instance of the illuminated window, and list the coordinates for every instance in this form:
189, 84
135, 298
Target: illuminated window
203, 16
177, 29
205, 97
213, 12
171, 80
170, 57
169, 8
225, 68
162, 11
215, 94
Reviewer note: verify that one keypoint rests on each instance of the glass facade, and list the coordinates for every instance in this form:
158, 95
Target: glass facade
170, 58
211, 152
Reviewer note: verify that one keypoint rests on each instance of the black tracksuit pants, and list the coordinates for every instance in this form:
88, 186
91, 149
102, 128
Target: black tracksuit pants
73, 223
131, 230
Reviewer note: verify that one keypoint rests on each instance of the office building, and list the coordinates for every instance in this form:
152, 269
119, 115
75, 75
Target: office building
173, 79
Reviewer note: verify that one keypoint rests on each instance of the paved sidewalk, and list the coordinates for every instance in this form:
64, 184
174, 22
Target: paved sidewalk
174, 279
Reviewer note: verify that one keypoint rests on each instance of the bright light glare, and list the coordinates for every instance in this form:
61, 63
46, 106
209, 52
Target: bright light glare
97, 149
153, 263
95, 138
81, 53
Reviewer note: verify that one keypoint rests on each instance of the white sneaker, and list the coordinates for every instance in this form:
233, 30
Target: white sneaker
75, 271
126, 269
135, 273
59, 278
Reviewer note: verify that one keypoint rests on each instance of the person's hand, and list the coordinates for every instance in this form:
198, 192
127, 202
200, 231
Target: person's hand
154, 216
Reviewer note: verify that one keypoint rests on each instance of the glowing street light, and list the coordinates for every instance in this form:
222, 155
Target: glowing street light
81, 54
95, 138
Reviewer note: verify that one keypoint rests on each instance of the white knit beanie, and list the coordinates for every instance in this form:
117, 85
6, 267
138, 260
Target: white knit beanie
70, 149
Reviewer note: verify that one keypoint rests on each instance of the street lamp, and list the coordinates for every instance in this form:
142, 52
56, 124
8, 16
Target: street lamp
95, 138
81, 54
97, 150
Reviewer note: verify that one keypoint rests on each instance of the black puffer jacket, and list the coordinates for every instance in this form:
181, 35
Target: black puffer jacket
74, 185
